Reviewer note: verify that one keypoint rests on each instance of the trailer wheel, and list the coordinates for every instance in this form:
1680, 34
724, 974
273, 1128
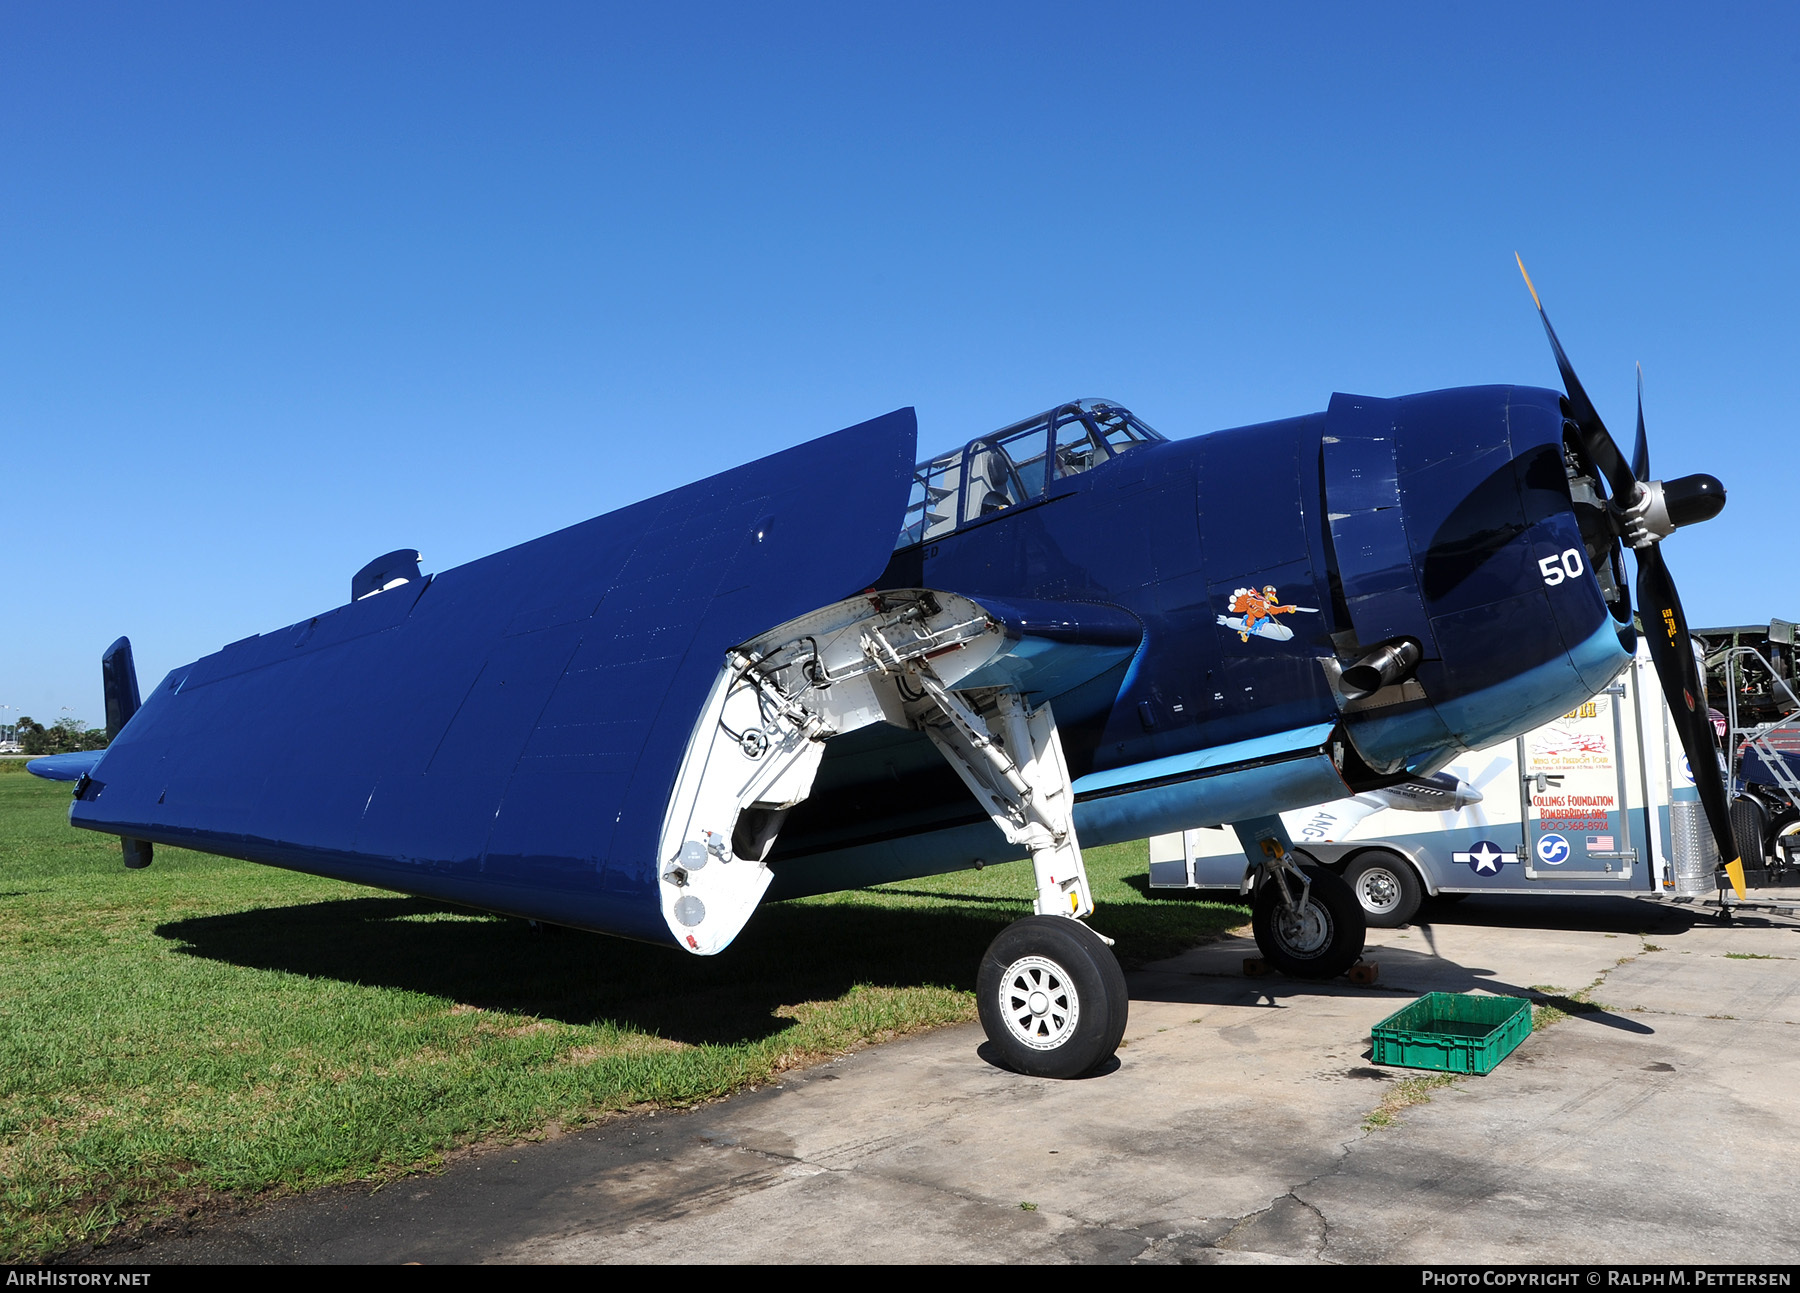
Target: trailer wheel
1749, 826
1386, 888
1052, 998
1319, 941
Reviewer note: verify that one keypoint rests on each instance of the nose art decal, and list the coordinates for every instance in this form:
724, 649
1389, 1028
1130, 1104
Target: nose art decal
1254, 612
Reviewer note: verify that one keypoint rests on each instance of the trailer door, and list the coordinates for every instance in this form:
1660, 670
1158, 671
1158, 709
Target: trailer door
1577, 832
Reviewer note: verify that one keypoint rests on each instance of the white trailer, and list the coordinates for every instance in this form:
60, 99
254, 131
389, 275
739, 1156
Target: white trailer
1599, 801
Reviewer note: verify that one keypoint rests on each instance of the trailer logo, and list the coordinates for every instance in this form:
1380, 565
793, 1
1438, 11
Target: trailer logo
1552, 850
1485, 858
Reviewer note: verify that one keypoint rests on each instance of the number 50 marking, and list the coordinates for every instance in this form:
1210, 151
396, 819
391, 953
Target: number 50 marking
1557, 569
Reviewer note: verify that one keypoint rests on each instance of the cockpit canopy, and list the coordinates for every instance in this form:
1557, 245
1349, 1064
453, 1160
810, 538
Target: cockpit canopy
1016, 464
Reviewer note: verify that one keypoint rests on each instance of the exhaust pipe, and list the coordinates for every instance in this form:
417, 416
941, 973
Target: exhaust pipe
1386, 665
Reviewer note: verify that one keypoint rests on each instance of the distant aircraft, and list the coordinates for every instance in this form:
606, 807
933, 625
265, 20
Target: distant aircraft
647, 723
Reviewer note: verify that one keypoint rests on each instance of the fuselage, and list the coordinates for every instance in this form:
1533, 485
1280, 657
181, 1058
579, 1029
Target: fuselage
1259, 560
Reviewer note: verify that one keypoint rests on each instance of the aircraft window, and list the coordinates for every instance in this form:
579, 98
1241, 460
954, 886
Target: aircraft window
1016, 465
1025, 450
993, 485
931, 511
1076, 448
1118, 429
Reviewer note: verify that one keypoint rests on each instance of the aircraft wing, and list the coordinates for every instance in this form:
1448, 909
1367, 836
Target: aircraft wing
507, 733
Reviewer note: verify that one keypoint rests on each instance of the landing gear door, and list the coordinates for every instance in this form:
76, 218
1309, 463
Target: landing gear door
1576, 825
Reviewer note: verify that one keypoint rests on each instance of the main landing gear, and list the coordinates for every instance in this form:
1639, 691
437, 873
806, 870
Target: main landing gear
1307, 920
1310, 930
1052, 997
1050, 992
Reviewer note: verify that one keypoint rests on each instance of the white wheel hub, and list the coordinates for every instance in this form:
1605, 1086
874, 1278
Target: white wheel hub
1306, 931
1378, 889
1038, 1003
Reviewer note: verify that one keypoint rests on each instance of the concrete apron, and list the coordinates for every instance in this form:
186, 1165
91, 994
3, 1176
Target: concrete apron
1659, 1129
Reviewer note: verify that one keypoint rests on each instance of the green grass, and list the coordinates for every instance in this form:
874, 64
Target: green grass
1554, 1005
210, 1026
1403, 1095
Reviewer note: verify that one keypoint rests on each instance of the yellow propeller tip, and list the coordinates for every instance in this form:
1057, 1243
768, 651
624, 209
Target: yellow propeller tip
1528, 286
1734, 870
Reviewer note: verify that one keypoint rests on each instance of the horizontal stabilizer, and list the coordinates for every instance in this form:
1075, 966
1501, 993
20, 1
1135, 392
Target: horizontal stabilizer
65, 767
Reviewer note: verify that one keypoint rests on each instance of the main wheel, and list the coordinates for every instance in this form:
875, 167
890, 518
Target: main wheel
1052, 997
1320, 940
1386, 887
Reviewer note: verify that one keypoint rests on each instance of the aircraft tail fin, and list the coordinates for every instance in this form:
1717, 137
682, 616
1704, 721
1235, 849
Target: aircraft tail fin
118, 676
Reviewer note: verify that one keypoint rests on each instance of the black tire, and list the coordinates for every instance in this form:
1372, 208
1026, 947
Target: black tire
1386, 888
1052, 997
1749, 830
1323, 940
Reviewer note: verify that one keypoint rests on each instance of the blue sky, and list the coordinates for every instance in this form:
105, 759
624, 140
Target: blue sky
283, 287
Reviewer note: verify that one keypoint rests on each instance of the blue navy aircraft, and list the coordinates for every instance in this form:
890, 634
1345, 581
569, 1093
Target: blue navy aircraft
747, 688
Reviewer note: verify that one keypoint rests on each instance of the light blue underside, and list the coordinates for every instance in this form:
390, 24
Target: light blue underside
1163, 795
1197, 761
1481, 718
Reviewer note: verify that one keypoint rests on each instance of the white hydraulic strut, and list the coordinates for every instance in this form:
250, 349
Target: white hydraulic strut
1011, 759
759, 739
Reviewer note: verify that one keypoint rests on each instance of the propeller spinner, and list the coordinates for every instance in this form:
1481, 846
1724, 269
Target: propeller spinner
1647, 512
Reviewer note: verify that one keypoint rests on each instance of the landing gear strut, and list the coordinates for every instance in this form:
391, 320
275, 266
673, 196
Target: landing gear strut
1051, 995
1307, 921
1318, 936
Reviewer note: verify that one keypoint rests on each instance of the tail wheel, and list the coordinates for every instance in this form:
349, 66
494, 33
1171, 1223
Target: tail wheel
1052, 997
1386, 887
1319, 939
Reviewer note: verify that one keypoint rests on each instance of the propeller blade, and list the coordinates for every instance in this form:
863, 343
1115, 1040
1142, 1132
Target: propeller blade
1681, 502
1640, 451
1595, 438
1666, 632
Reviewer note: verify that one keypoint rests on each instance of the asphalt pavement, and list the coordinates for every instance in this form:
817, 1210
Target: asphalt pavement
1659, 1127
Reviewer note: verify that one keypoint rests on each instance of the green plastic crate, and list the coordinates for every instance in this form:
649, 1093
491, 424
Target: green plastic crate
1454, 1032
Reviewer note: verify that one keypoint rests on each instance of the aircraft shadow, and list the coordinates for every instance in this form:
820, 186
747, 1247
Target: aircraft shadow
1602, 914
1142, 884
788, 954
1405, 975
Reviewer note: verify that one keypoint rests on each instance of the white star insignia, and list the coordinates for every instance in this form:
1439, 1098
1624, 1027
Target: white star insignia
1483, 859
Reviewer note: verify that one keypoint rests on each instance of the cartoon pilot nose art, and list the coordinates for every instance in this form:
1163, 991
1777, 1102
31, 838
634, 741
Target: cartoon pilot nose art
1255, 612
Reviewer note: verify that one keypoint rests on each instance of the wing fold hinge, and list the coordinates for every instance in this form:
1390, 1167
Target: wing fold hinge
757, 746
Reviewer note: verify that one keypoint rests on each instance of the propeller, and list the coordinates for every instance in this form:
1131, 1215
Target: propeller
1494, 771
1647, 512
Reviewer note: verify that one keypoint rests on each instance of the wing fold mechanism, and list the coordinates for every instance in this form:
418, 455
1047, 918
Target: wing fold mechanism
881, 657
